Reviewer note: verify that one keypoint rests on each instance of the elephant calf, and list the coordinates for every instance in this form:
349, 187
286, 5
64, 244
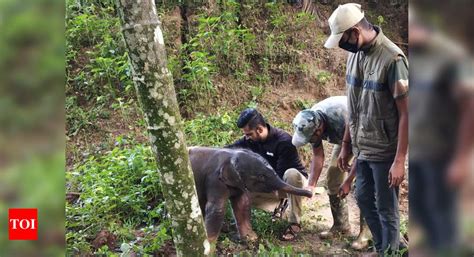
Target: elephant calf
222, 174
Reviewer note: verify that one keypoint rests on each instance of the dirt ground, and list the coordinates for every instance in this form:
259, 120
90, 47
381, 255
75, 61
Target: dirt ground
317, 218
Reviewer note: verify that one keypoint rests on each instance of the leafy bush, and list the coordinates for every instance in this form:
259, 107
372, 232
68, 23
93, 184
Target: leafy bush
218, 45
101, 69
214, 130
264, 226
119, 191
79, 118
323, 76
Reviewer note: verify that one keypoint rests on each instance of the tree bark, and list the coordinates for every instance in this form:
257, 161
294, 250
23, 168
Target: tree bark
308, 6
156, 94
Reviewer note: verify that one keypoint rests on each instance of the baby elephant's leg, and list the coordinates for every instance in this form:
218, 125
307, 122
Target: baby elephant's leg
241, 208
215, 211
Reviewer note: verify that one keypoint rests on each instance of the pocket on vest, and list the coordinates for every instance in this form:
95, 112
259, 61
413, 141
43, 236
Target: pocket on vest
373, 131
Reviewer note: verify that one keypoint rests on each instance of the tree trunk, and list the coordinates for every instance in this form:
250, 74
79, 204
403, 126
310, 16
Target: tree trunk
156, 94
310, 7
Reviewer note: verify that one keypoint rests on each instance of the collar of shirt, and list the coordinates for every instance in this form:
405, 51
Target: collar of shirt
376, 42
271, 133
327, 127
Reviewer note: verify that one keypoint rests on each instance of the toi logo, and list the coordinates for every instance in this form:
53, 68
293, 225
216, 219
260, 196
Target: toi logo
23, 224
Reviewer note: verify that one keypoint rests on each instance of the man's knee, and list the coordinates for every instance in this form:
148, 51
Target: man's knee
335, 177
363, 198
265, 201
387, 212
388, 215
293, 177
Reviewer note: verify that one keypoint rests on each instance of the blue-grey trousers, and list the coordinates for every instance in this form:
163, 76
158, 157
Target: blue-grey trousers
378, 203
433, 204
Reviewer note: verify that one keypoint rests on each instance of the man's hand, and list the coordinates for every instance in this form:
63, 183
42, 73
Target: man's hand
343, 158
344, 189
396, 173
311, 189
458, 171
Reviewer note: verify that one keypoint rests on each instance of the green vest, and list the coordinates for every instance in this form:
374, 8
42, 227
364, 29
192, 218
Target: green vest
372, 112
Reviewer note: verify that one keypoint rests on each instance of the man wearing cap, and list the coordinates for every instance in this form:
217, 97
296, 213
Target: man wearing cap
326, 121
377, 127
275, 146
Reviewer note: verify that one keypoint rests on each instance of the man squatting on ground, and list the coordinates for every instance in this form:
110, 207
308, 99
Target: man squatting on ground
275, 146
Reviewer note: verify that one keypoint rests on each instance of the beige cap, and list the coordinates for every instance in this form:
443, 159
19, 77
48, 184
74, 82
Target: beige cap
342, 19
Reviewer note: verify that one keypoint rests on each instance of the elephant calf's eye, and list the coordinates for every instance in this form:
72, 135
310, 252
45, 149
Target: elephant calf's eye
261, 177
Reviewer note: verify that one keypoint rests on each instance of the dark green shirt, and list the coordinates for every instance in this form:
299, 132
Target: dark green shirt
442, 75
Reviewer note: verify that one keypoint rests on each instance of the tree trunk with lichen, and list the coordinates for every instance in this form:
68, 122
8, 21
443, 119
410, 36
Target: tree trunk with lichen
156, 94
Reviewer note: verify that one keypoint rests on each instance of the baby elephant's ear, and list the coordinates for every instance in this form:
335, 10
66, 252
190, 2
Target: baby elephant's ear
229, 173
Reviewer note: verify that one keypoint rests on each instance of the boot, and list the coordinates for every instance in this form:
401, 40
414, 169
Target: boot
362, 240
340, 216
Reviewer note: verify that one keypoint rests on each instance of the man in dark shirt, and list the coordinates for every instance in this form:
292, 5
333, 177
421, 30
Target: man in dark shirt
275, 146
440, 135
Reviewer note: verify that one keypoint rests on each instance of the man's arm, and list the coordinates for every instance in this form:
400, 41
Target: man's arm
316, 166
397, 171
398, 83
345, 187
343, 158
238, 144
462, 160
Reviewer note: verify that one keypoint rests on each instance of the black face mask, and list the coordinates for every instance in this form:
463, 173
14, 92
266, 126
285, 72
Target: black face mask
350, 47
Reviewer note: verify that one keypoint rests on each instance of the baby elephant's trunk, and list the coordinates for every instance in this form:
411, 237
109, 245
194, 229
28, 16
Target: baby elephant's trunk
295, 191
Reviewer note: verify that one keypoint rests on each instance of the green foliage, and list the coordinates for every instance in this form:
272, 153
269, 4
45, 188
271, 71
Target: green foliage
213, 130
303, 104
397, 253
275, 250
97, 64
125, 107
218, 45
199, 70
97, 70
282, 45
256, 92
155, 237
264, 226
380, 20
404, 226
323, 76
87, 24
119, 191
79, 118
